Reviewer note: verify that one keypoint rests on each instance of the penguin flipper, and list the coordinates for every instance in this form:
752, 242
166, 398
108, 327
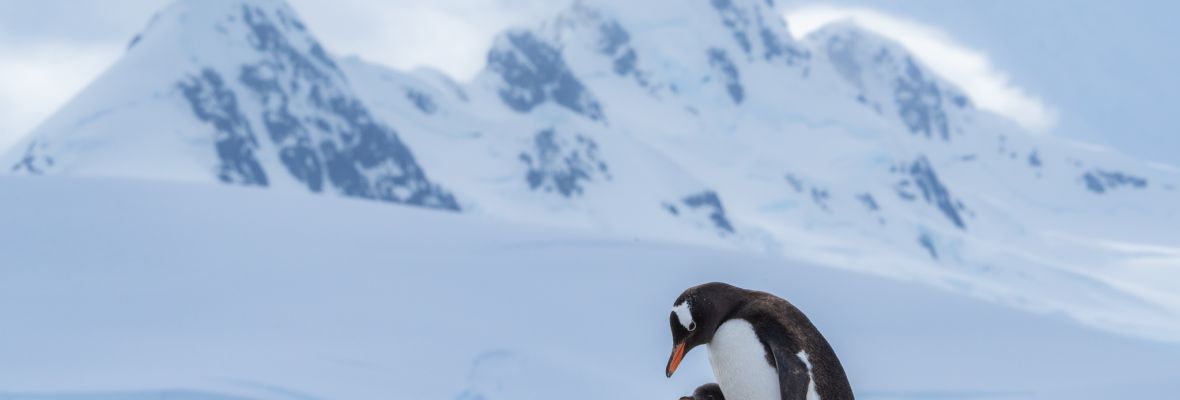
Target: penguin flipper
793, 374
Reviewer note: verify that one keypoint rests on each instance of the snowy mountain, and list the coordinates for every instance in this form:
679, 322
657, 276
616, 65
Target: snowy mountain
840, 148
702, 122
234, 92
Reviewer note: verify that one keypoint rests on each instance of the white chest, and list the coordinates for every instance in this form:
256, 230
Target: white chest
739, 363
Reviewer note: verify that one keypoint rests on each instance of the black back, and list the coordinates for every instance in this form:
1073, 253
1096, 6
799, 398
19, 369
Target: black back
784, 331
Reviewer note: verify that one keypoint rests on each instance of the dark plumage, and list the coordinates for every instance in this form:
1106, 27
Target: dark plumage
782, 329
708, 391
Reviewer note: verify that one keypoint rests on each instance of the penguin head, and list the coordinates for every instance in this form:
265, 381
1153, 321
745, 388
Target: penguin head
695, 316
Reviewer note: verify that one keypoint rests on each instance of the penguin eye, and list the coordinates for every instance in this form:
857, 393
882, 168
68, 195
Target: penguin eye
692, 326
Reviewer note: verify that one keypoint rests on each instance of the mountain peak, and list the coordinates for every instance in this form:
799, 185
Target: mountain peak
890, 79
261, 101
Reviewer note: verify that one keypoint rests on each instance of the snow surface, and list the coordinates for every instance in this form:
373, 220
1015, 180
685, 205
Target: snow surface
132, 289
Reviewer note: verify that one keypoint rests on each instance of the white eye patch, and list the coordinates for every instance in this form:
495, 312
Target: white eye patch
684, 315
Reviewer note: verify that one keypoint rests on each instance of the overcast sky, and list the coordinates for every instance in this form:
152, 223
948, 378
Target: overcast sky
1101, 71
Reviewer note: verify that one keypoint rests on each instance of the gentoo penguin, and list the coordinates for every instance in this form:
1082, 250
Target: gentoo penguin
760, 346
708, 391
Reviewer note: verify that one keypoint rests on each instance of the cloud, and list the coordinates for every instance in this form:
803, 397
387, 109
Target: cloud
51, 49
450, 35
989, 87
38, 79
93, 22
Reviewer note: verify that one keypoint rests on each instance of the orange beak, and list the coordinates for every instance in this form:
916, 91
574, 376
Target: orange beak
677, 355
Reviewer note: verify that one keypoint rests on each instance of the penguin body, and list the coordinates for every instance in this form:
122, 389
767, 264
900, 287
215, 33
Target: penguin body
760, 346
739, 362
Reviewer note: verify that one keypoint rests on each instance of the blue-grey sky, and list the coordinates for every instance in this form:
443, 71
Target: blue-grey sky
1108, 66
1099, 71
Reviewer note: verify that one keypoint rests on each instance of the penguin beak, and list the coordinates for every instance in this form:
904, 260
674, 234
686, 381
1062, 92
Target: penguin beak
677, 355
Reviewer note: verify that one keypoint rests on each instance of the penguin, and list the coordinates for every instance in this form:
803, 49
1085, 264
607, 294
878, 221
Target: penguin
708, 391
760, 346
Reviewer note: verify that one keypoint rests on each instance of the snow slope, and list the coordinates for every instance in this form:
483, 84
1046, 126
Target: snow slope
174, 290
701, 122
